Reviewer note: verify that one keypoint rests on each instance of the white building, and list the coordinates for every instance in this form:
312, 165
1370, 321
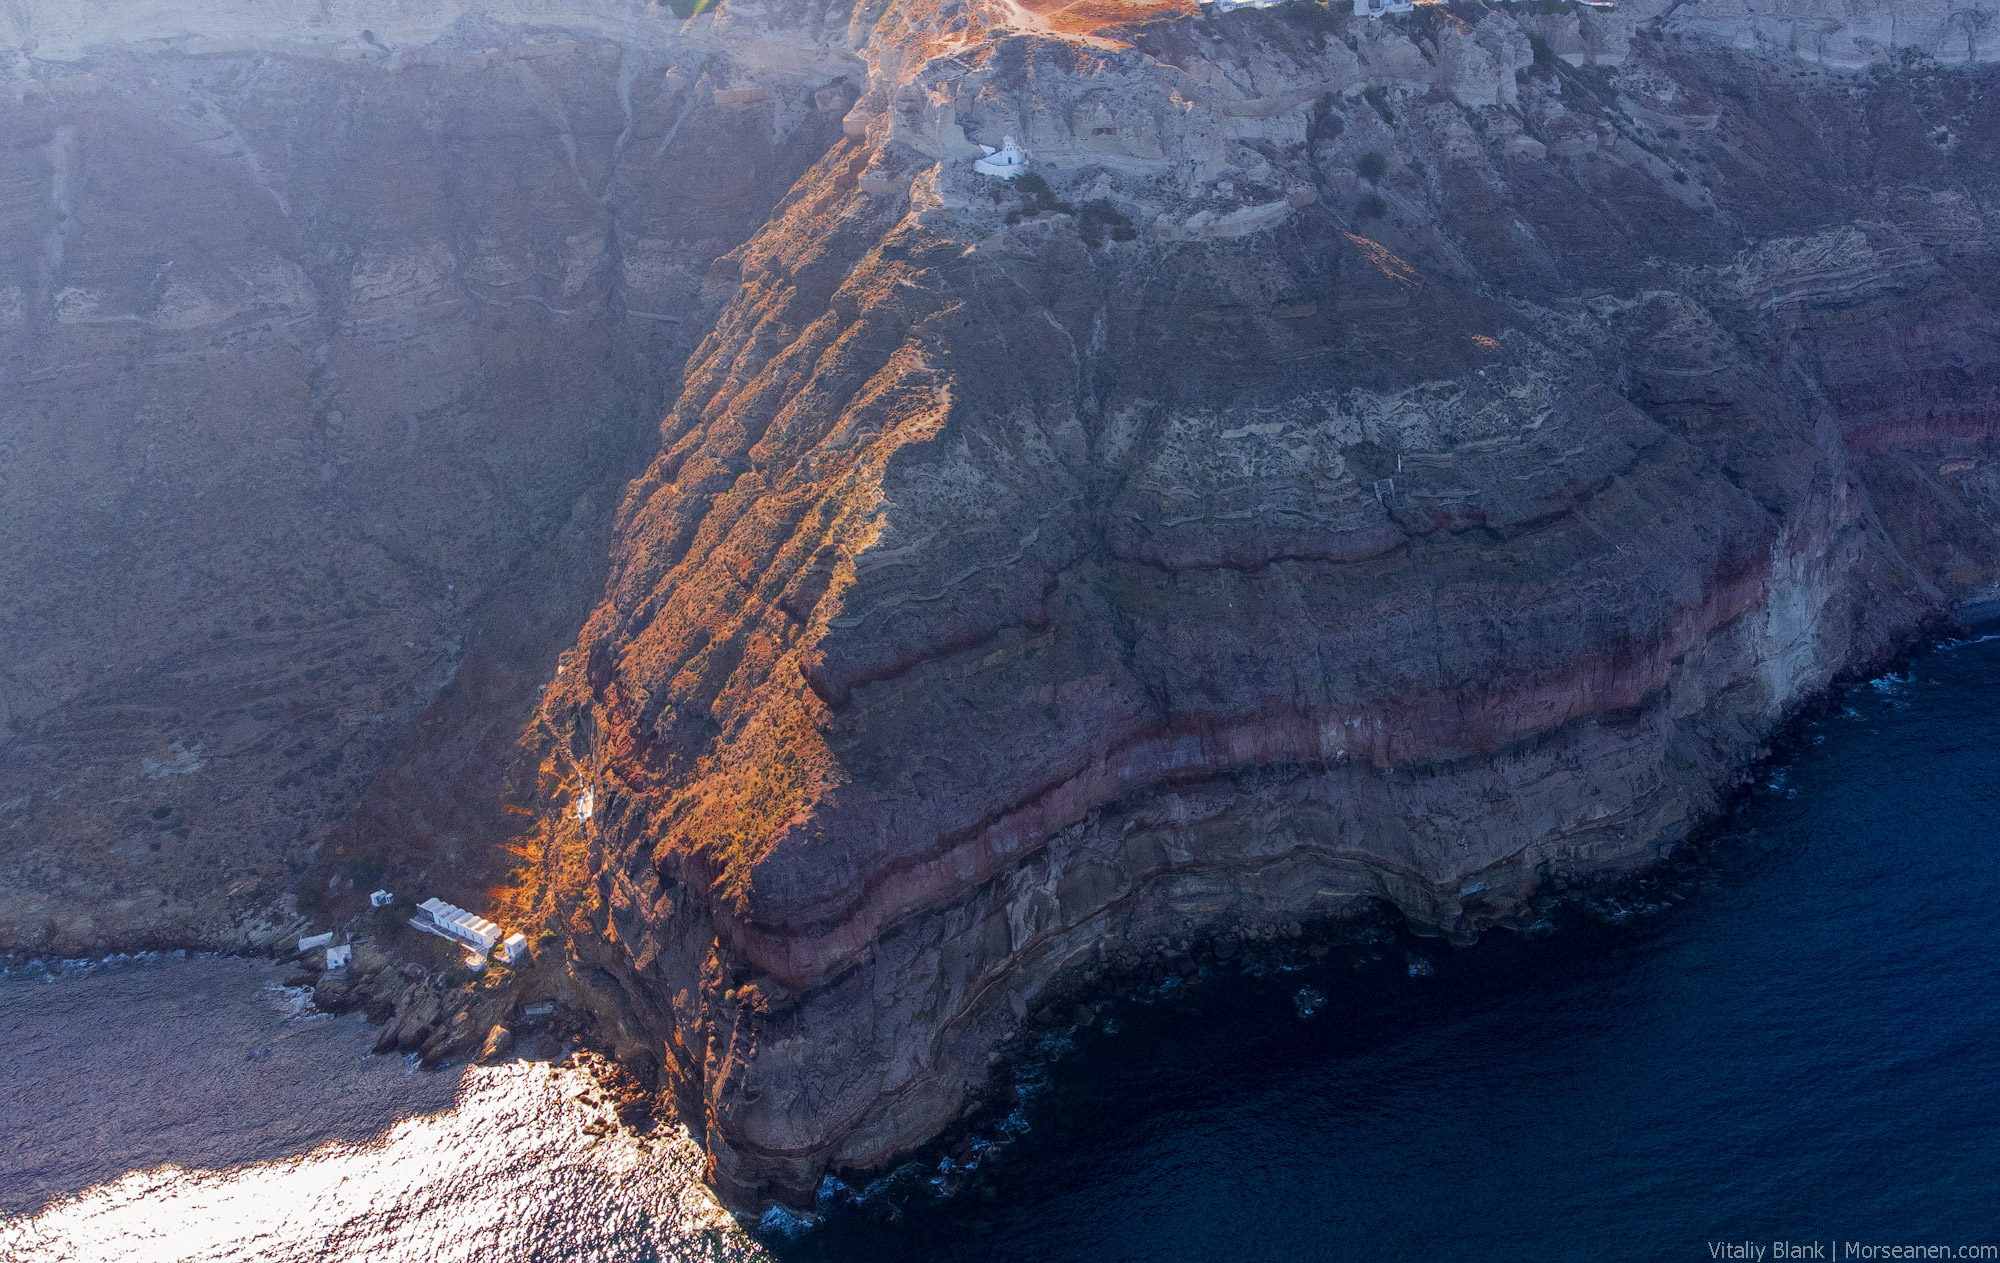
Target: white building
381, 899
315, 940
1376, 8
338, 958
586, 803
447, 921
1003, 163
513, 948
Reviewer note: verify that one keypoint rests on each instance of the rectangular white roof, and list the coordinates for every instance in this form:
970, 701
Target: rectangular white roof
460, 924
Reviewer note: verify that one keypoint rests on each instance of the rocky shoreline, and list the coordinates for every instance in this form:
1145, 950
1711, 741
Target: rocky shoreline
439, 1017
1169, 972
1412, 463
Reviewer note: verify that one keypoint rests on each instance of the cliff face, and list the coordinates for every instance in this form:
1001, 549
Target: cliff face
328, 336
1416, 461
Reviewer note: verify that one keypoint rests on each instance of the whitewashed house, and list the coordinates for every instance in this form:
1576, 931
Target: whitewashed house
1003, 163
447, 921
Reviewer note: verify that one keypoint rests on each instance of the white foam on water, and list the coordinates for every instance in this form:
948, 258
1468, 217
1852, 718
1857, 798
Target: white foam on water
779, 1222
1892, 685
296, 1003
1947, 646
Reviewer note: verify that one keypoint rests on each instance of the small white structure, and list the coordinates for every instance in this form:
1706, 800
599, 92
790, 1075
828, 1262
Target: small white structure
1376, 8
1003, 163
315, 940
513, 948
447, 921
381, 899
338, 958
585, 804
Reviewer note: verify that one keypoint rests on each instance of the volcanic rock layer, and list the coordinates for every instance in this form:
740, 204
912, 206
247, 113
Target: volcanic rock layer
1415, 464
1411, 462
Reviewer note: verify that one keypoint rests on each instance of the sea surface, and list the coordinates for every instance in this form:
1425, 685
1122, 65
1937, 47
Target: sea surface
1796, 1040
159, 1110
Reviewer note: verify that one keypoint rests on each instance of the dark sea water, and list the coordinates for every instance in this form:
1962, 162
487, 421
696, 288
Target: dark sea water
1804, 1047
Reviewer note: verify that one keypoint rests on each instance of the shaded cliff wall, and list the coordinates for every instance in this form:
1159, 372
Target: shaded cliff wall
326, 341
1011, 598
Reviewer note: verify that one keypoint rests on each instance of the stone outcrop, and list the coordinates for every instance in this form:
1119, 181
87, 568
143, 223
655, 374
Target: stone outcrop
1010, 597
1852, 34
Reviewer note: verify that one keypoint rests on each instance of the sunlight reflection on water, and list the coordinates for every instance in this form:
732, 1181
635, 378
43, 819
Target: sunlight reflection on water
509, 1171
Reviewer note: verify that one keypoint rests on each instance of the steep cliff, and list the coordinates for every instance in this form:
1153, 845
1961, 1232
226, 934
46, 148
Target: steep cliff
1416, 461
1413, 462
